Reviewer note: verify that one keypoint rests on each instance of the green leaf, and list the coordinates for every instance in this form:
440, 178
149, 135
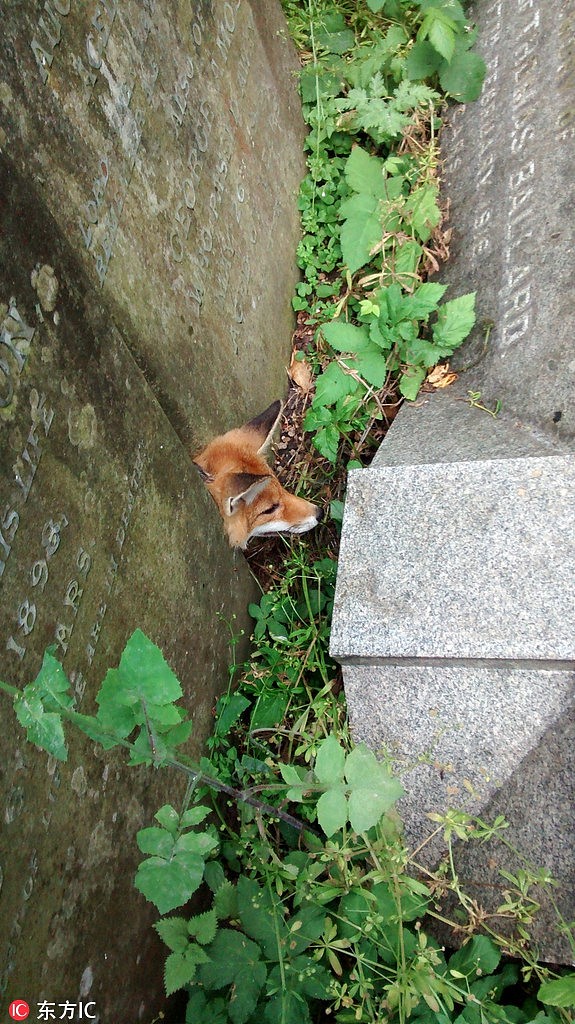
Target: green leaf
327, 442
463, 77
373, 789
478, 955
203, 927
157, 841
454, 321
411, 381
181, 968
261, 916
235, 960
297, 777
52, 682
424, 300
332, 811
225, 900
425, 212
269, 710
372, 367
423, 60
344, 337
230, 708
169, 883
559, 992
334, 383
365, 173
361, 232
330, 761
193, 816
143, 675
168, 818
174, 932
44, 729
199, 1009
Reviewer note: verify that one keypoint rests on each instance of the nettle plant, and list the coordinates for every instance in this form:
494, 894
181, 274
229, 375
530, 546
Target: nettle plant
312, 906
374, 77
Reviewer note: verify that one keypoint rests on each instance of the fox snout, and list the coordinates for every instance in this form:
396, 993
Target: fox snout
250, 498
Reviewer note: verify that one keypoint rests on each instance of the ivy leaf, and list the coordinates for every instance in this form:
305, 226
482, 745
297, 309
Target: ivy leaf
235, 960
454, 321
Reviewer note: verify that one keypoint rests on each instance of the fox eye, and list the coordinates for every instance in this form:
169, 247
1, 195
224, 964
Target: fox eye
268, 511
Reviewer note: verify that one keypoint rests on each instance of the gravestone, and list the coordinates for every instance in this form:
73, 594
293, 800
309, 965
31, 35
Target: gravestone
454, 608
150, 156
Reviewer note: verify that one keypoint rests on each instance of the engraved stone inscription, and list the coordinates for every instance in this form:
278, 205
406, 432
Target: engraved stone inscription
149, 161
508, 174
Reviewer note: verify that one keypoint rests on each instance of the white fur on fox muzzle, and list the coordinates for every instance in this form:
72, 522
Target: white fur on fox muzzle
269, 529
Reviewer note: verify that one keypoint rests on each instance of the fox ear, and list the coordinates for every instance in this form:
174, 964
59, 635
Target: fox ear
265, 424
244, 487
203, 472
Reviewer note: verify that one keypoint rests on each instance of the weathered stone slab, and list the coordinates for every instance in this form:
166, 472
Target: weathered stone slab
508, 175
462, 561
165, 139
104, 527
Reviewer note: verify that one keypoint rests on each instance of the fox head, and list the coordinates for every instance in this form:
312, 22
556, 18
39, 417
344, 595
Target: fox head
251, 500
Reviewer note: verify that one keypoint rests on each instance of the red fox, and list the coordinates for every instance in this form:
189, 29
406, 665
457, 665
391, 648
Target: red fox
251, 500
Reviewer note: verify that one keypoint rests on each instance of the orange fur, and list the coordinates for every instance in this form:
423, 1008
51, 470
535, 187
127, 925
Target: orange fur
250, 498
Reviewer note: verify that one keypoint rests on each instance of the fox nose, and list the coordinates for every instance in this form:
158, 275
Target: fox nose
320, 515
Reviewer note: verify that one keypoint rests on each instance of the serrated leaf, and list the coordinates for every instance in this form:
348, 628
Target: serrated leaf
169, 883
157, 841
344, 337
463, 77
168, 818
261, 916
181, 967
365, 173
424, 300
559, 992
330, 761
373, 789
334, 383
327, 442
203, 927
361, 232
174, 932
423, 60
52, 683
424, 208
225, 901
372, 367
194, 815
454, 322
44, 729
143, 675
411, 381
235, 960
332, 810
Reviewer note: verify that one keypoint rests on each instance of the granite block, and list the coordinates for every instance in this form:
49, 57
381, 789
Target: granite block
464, 561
